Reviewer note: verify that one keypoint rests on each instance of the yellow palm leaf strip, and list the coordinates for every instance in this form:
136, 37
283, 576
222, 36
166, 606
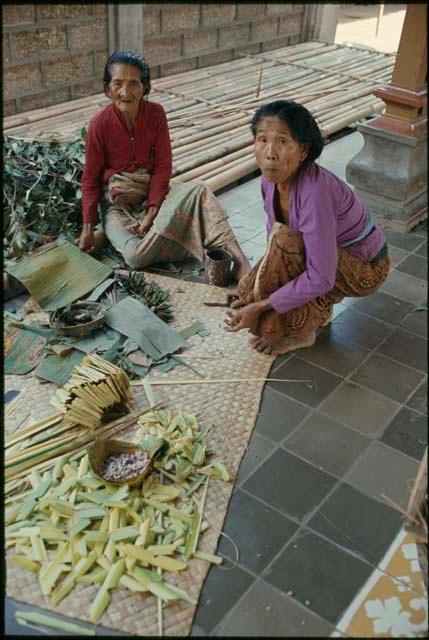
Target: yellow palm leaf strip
34, 428
86, 394
105, 392
38, 447
114, 388
86, 407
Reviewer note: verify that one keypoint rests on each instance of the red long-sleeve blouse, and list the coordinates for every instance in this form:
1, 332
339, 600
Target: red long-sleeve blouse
111, 147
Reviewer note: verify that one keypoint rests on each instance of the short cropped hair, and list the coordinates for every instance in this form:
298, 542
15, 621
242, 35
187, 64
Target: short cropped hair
302, 125
128, 57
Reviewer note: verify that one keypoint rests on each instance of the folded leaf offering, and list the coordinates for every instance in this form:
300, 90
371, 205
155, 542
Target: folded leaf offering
60, 275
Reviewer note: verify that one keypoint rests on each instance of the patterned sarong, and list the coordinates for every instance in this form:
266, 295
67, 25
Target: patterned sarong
283, 261
189, 220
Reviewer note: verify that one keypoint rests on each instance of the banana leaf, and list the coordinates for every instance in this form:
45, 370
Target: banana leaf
135, 320
60, 275
23, 350
58, 369
100, 340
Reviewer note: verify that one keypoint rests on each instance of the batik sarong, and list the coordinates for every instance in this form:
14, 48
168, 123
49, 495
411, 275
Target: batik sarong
284, 260
189, 220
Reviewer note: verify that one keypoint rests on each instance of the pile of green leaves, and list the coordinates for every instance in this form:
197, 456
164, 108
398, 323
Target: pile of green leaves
132, 283
41, 191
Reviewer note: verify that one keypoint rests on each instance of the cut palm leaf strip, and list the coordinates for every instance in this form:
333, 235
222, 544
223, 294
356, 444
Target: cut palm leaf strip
55, 623
34, 428
75, 528
82, 440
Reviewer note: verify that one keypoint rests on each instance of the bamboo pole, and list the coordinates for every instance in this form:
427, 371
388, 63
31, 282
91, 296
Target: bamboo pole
220, 163
232, 175
209, 109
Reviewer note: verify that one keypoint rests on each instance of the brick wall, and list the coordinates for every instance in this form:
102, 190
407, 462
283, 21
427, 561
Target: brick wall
52, 53
180, 37
56, 52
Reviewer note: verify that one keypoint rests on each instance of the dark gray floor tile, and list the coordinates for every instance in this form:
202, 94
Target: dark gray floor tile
197, 631
419, 399
289, 484
392, 379
414, 265
265, 612
406, 287
357, 522
318, 573
421, 229
396, 255
383, 307
417, 322
311, 393
221, 591
362, 409
408, 433
278, 415
279, 361
384, 471
359, 329
327, 444
257, 450
405, 241
257, 530
423, 250
334, 353
407, 348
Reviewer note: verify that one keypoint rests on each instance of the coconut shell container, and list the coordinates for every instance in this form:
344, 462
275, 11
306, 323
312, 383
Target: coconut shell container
118, 462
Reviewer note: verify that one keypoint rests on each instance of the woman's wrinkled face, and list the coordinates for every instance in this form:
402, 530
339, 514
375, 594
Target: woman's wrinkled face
278, 155
126, 88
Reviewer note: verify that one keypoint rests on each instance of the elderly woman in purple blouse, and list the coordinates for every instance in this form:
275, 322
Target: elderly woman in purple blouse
322, 243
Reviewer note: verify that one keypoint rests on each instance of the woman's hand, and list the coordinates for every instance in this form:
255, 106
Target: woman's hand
246, 318
232, 296
86, 238
141, 228
248, 315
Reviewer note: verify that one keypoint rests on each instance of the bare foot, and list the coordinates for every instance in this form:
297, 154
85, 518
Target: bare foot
284, 345
331, 315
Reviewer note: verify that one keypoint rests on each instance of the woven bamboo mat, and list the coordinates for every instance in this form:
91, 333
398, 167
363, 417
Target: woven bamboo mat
231, 407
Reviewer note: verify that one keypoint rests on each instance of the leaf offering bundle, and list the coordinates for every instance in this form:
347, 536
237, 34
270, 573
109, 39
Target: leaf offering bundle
95, 392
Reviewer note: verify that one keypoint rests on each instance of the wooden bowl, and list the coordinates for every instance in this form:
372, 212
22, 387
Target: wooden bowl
97, 310
102, 449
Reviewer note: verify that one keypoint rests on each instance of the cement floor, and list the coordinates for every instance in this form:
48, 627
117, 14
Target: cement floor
357, 24
307, 512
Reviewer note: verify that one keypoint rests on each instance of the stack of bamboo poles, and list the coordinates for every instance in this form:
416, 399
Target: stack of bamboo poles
209, 110
95, 388
40, 446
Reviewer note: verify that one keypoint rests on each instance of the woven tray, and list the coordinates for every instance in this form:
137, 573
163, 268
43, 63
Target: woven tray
231, 407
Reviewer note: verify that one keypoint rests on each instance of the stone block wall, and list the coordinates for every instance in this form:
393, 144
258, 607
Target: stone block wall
180, 37
52, 53
56, 52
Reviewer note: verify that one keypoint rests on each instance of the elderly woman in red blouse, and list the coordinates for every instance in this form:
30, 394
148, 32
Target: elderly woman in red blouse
128, 165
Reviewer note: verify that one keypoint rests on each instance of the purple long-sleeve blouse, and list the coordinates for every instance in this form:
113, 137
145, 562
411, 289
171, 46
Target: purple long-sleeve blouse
329, 215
